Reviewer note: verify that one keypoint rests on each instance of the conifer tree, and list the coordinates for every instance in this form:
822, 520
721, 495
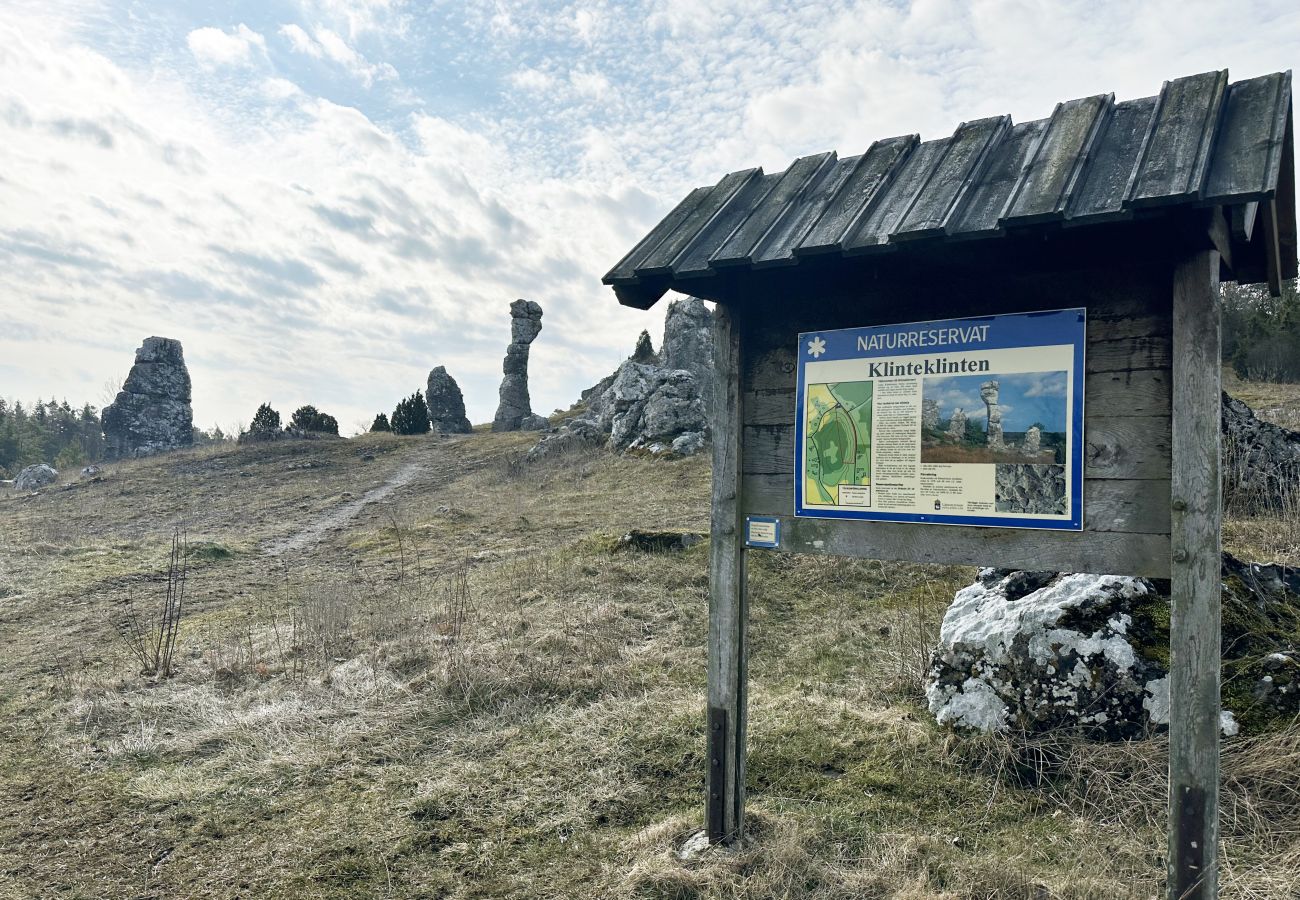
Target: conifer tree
381, 423
411, 415
309, 418
266, 421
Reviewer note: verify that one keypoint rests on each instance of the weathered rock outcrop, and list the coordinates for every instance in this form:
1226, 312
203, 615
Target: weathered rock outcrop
152, 412
515, 411
957, 425
657, 403
930, 414
1261, 461
446, 403
1042, 650
1031, 489
33, 478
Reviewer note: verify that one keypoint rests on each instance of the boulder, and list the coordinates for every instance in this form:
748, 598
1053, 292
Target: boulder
1261, 461
152, 412
514, 405
446, 403
35, 477
1035, 651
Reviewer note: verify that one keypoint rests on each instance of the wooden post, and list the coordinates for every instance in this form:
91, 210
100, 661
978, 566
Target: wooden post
725, 807
1194, 633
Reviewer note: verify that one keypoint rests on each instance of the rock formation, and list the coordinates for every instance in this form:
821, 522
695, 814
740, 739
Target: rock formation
446, 403
1261, 461
1041, 650
515, 411
657, 404
35, 477
688, 345
957, 425
930, 414
1033, 439
989, 394
152, 412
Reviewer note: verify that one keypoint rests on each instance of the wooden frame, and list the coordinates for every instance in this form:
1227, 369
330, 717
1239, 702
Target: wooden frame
1151, 490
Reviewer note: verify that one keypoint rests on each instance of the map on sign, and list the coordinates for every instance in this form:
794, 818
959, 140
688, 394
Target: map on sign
837, 456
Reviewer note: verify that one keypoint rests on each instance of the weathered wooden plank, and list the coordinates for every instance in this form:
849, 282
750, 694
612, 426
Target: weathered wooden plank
1118, 448
1102, 552
1243, 220
882, 217
728, 602
1058, 161
660, 260
877, 167
1194, 633
1131, 506
777, 248
981, 210
737, 249
1248, 155
1144, 392
1113, 163
1127, 354
624, 272
1177, 156
950, 179
694, 260
769, 407
1128, 447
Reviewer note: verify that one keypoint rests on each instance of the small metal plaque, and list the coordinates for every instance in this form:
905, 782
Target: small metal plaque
763, 531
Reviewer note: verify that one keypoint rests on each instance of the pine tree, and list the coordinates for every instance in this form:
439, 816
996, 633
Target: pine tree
381, 423
309, 418
266, 422
411, 415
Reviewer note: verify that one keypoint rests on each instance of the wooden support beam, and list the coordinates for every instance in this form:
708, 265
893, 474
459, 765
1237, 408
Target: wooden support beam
1195, 575
728, 603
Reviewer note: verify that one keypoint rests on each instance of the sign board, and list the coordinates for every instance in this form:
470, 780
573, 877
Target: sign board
959, 422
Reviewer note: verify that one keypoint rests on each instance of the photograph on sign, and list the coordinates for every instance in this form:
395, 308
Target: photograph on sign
959, 422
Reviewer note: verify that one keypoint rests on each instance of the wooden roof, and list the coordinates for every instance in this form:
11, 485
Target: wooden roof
1201, 142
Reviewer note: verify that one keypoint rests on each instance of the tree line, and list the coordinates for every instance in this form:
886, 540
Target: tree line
1261, 334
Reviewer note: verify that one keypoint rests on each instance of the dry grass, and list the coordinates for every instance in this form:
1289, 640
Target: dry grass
466, 692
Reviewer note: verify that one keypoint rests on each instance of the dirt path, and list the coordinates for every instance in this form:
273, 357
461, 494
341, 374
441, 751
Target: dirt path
335, 519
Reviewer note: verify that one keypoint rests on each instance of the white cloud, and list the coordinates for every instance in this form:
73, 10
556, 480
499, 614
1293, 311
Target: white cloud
214, 47
329, 45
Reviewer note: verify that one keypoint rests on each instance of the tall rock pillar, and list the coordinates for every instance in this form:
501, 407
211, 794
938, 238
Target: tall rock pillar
989, 394
152, 412
514, 411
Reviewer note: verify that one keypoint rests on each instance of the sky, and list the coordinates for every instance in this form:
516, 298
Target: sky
324, 199
1032, 398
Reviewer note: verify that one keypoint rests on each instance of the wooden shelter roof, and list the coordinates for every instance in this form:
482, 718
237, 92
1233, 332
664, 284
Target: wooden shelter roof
1201, 142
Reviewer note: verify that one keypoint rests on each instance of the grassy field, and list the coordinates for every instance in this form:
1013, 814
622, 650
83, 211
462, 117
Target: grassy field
466, 689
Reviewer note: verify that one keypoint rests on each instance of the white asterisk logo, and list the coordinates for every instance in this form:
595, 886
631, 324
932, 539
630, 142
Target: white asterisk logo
816, 347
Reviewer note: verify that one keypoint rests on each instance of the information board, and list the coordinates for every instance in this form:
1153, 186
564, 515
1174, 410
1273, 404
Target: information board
957, 422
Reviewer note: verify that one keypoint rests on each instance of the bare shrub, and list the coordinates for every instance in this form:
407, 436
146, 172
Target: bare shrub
150, 633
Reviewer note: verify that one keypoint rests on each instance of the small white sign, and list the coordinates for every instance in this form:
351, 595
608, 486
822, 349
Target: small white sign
763, 532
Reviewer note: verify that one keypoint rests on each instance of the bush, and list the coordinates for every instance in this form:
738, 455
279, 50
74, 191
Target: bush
265, 421
309, 418
381, 423
411, 416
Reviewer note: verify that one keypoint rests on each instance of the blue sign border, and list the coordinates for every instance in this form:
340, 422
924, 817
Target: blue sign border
1035, 329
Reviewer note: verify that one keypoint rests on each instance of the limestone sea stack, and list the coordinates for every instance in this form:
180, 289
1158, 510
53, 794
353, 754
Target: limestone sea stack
152, 412
446, 403
515, 411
